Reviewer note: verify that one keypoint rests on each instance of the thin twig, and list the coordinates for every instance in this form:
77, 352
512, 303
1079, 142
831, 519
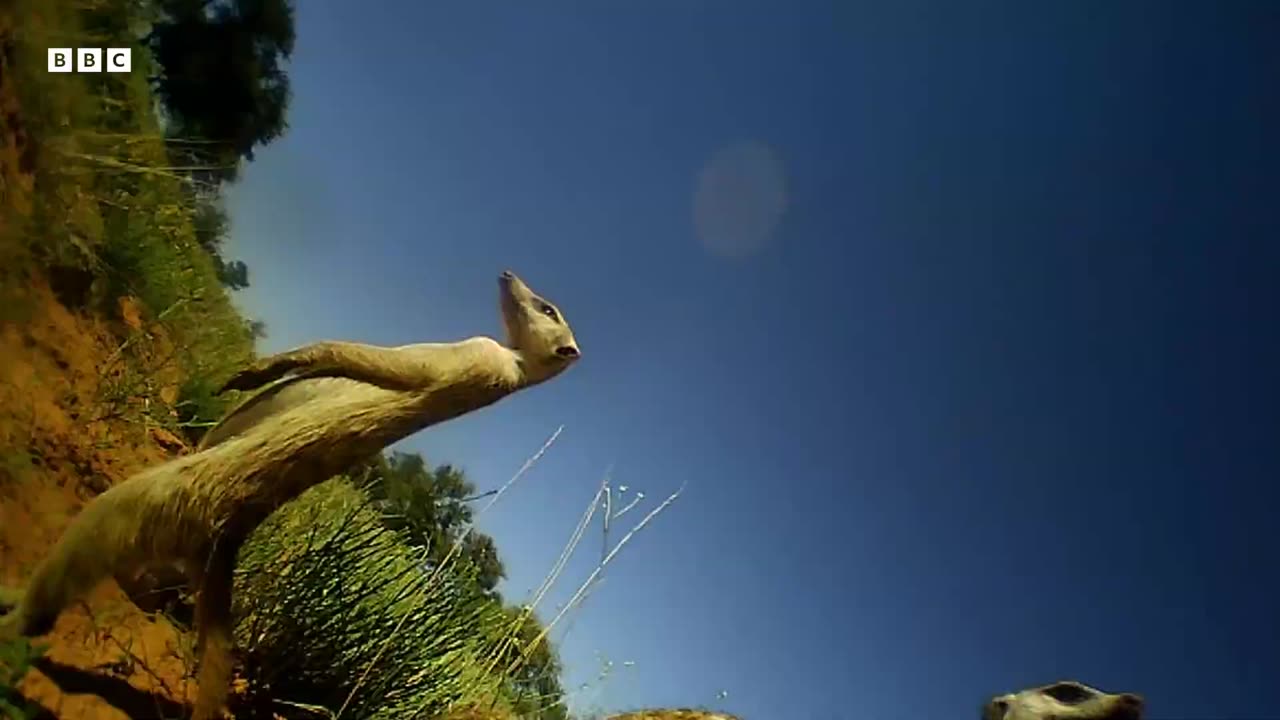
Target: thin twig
577, 596
512, 635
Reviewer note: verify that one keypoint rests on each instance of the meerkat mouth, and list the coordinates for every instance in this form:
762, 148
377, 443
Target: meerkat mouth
1129, 712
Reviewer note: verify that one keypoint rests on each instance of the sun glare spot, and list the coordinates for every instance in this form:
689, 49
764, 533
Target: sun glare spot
740, 198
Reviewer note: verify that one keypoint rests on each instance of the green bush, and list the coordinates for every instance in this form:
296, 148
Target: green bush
324, 589
110, 212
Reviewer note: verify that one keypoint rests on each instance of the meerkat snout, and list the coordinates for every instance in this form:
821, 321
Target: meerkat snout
1132, 704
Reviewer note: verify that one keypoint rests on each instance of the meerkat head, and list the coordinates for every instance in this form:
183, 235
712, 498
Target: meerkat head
1066, 700
535, 330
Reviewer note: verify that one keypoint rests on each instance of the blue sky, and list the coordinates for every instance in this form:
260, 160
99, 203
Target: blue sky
983, 397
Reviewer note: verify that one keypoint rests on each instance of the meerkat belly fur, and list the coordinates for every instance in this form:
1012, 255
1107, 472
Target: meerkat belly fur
328, 405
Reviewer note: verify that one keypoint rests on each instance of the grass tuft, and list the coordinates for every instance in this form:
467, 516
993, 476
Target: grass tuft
325, 589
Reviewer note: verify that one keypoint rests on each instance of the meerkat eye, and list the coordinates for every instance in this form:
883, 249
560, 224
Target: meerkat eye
549, 312
1068, 693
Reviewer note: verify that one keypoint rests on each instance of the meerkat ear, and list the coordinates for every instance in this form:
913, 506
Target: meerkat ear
568, 351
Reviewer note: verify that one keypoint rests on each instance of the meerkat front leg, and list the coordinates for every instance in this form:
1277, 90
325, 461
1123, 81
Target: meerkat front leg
390, 368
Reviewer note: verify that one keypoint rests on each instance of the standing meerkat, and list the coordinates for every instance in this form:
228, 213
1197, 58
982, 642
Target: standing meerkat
350, 402
1064, 700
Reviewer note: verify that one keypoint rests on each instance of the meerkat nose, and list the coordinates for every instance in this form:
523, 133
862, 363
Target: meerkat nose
508, 275
1133, 702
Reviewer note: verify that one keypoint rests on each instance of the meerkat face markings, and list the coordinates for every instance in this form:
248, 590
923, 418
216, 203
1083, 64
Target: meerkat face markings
1065, 700
536, 329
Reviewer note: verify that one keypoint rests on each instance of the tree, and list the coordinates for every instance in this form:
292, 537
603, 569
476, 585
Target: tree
210, 224
536, 679
209, 220
429, 508
221, 79
234, 274
482, 554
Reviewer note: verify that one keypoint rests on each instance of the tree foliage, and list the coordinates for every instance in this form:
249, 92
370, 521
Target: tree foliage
428, 506
222, 80
210, 224
537, 676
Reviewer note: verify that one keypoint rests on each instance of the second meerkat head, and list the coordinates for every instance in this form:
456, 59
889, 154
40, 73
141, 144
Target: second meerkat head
536, 330
1065, 700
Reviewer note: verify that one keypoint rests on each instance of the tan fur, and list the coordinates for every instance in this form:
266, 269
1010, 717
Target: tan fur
1065, 700
353, 401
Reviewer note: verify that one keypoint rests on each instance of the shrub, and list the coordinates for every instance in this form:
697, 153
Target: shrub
325, 590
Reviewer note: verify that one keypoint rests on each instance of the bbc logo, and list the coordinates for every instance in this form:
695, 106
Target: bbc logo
91, 60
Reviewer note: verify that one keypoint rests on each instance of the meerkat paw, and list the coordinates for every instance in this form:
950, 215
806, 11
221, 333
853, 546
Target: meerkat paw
267, 369
254, 376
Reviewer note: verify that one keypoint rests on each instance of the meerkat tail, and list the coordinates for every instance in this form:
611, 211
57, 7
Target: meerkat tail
215, 641
76, 564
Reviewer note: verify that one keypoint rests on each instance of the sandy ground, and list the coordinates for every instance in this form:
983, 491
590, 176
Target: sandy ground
110, 659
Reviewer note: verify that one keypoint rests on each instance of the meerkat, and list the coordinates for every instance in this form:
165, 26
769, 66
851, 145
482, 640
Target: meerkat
309, 371
349, 402
1065, 700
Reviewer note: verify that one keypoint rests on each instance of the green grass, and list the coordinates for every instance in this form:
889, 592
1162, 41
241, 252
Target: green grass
108, 208
329, 599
